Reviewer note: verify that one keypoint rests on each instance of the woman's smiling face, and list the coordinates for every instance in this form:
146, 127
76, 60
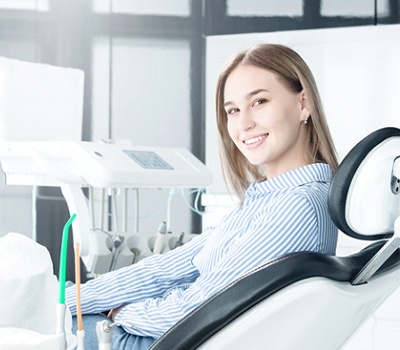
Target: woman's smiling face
265, 119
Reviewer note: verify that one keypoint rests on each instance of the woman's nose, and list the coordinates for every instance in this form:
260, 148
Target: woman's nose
245, 121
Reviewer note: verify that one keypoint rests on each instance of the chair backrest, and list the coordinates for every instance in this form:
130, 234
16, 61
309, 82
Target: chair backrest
364, 200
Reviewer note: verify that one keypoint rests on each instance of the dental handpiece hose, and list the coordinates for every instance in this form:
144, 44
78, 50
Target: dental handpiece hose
160, 238
60, 322
80, 333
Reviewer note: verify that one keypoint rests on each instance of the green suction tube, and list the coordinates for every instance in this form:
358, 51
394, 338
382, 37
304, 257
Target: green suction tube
63, 259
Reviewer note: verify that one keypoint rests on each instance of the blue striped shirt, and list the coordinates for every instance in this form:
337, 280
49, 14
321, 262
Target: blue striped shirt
288, 213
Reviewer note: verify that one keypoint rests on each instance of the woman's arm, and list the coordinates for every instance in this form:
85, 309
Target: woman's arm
149, 278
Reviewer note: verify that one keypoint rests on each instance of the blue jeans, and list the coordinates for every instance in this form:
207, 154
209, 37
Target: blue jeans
120, 339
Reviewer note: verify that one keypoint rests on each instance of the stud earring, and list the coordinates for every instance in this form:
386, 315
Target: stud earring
305, 121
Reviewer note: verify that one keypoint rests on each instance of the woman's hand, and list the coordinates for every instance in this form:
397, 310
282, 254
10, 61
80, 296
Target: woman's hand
113, 312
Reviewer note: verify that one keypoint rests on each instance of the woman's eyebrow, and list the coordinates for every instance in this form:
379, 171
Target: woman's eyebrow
255, 92
248, 96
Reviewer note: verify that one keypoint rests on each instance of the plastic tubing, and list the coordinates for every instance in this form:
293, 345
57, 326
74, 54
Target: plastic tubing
63, 259
78, 287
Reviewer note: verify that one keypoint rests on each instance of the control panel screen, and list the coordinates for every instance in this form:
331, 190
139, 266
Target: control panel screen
148, 160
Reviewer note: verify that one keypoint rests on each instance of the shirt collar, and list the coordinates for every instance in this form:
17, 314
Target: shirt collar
318, 172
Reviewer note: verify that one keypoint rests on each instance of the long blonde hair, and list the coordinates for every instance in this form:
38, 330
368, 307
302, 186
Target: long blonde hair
297, 76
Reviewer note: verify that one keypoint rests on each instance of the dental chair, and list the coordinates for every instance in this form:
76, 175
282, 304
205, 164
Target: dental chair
309, 300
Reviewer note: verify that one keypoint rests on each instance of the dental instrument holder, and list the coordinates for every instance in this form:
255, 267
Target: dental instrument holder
73, 166
80, 337
160, 238
104, 331
60, 330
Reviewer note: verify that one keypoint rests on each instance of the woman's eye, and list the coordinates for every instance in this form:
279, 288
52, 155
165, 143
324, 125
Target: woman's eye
232, 110
259, 102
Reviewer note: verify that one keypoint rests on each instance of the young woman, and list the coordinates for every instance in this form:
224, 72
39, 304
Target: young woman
279, 158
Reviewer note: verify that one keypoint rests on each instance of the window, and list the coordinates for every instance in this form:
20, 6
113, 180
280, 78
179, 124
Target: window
265, 8
145, 7
39, 5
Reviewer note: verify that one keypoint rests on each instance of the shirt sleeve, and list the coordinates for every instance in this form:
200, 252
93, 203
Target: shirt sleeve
289, 225
149, 278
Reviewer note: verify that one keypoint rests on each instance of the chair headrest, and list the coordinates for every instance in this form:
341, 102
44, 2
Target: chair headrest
364, 199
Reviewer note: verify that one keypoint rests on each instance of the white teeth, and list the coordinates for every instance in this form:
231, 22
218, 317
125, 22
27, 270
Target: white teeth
254, 140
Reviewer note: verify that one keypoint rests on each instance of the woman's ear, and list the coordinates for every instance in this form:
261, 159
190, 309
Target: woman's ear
305, 107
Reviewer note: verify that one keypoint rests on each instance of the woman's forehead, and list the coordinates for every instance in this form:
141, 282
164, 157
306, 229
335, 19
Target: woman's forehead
246, 79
